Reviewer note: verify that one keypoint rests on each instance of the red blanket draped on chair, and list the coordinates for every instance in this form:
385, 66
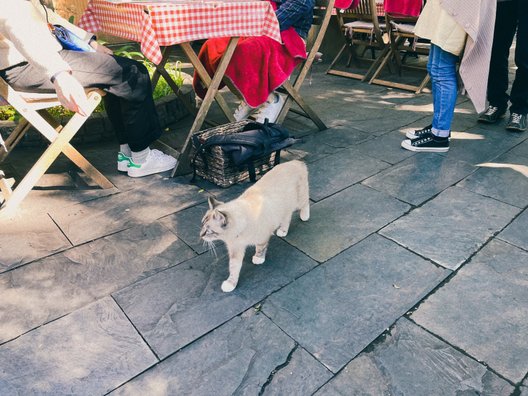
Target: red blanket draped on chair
259, 64
403, 7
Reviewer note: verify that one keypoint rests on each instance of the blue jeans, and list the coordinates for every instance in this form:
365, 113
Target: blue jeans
442, 69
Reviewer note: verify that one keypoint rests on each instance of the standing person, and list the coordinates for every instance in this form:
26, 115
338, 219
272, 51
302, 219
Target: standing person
260, 64
32, 60
512, 16
454, 27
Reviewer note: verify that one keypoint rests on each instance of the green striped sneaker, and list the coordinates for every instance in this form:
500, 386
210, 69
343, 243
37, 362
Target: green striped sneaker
156, 162
122, 162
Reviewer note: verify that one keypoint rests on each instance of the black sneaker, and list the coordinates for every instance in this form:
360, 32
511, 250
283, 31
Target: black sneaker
491, 115
427, 143
418, 133
517, 122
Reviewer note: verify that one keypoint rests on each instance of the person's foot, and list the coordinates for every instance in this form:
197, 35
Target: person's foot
270, 109
156, 162
491, 115
427, 143
516, 122
122, 162
243, 111
417, 133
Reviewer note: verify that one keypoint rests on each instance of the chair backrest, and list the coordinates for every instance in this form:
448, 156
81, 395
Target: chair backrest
366, 11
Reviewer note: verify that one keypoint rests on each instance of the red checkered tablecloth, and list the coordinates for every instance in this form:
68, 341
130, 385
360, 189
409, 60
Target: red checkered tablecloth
163, 24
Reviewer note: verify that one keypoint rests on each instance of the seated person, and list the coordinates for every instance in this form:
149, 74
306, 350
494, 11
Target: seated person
32, 60
260, 64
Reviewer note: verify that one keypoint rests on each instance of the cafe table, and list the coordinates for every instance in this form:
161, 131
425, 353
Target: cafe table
160, 25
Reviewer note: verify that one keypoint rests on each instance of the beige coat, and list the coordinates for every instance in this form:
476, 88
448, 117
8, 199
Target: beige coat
477, 19
24, 36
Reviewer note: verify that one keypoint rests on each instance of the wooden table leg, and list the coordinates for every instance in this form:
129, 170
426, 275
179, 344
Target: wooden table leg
162, 72
184, 165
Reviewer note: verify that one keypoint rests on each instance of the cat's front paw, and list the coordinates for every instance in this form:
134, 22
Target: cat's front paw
281, 233
227, 286
258, 260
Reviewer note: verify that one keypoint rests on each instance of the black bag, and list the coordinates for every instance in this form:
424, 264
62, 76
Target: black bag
252, 141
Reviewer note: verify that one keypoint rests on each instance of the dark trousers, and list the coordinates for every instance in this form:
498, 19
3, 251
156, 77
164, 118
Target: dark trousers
512, 17
128, 101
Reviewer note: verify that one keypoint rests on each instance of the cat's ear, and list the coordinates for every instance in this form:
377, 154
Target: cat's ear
213, 202
221, 217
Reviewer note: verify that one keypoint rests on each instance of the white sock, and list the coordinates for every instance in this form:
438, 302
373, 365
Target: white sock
125, 149
140, 157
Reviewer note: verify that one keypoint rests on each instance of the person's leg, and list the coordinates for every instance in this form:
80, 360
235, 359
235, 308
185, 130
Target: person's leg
519, 91
129, 103
505, 26
444, 79
442, 69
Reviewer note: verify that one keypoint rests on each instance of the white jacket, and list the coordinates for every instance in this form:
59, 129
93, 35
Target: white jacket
24, 36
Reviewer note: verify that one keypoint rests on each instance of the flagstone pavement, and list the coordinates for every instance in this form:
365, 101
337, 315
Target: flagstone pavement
411, 277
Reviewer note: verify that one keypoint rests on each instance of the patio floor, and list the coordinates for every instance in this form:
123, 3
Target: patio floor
410, 278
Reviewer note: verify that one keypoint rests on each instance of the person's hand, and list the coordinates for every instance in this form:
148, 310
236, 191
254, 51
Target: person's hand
100, 48
71, 93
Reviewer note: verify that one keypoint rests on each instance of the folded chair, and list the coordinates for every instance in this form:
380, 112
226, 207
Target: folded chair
364, 33
402, 41
32, 108
322, 14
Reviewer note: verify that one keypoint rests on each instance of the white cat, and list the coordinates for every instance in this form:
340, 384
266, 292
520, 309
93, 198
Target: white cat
252, 218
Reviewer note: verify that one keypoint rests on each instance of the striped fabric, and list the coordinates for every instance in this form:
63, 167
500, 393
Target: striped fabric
477, 18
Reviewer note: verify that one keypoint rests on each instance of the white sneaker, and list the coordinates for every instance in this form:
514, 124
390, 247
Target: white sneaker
156, 162
243, 111
122, 162
270, 109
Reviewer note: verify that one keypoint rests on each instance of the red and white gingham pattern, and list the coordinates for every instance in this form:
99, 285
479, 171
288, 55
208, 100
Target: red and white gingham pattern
164, 24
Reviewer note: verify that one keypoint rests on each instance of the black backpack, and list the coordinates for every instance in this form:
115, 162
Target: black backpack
253, 141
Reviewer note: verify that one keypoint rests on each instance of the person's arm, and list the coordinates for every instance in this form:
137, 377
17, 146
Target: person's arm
23, 26
290, 11
56, 19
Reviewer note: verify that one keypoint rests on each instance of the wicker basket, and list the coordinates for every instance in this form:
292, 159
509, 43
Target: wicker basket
218, 167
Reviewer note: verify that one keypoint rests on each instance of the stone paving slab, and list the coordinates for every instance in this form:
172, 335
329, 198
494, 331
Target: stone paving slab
521, 149
312, 148
341, 306
452, 226
483, 310
174, 307
342, 220
186, 225
410, 361
419, 178
50, 288
386, 147
235, 359
301, 375
89, 352
93, 219
505, 178
479, 144
516, 233
383, 120
338, 171
28, 237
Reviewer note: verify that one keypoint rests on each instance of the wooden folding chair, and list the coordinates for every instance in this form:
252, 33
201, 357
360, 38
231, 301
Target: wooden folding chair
32, 108
364, 33
402, 41
321, 19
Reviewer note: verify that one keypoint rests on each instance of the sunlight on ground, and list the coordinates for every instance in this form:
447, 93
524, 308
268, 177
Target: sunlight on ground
467, 136
522, 169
